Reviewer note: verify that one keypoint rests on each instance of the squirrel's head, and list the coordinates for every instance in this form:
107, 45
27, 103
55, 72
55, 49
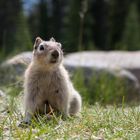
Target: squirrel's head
47, 52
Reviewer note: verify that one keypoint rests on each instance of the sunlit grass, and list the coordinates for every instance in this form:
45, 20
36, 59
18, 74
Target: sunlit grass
108, 122
100, 119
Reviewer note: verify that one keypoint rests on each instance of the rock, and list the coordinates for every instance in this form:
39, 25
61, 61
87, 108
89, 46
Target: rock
123, 64
113, 64
106, 60
22, 58
12, 69
2, 94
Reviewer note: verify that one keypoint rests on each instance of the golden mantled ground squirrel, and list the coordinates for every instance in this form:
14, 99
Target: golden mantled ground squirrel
47, 82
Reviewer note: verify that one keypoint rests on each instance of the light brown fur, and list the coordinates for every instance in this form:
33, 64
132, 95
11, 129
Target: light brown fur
47, 82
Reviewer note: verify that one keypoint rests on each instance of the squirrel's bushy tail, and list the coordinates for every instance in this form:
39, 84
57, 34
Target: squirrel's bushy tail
75, 104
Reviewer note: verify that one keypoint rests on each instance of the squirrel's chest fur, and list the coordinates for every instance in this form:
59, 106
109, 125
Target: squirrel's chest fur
42, 85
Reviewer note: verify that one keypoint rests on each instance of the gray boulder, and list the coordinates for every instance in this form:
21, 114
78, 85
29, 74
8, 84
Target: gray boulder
119, 64
122, 64
106, 60
12, 69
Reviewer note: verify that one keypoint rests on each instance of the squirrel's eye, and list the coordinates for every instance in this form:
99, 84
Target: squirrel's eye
35, 47
41, 48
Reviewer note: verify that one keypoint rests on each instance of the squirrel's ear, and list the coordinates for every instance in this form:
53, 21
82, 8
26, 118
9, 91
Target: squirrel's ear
59, 45
52, 39
38, 40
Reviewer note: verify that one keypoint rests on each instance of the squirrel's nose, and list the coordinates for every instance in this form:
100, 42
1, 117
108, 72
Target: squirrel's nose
55, 54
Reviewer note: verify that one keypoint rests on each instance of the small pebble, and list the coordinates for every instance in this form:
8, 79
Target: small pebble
2, 94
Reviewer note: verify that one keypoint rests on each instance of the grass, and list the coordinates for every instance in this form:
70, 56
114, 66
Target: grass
105, 114
110, 122
104, 87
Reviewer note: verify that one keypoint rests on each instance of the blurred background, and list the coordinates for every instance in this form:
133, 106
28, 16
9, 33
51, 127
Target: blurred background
77, 24
104, 77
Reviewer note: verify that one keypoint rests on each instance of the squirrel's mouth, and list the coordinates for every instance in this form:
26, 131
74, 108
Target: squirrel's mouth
54, 61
